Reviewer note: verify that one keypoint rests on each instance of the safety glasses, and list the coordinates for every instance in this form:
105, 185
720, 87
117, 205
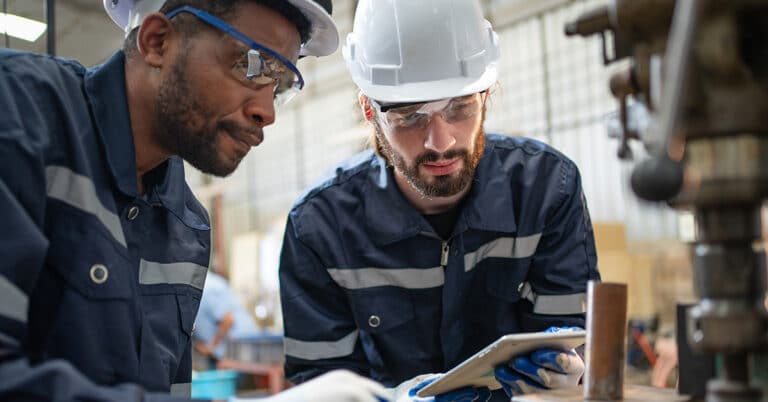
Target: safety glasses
417, 116
261, 65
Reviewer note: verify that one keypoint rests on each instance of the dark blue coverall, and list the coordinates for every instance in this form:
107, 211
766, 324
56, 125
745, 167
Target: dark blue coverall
367, 284
99, 286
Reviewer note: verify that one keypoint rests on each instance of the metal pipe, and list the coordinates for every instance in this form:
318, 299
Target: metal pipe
678, 59
593, 21
606, 341
50, 19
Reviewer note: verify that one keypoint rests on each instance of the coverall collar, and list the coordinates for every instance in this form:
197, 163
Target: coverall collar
491, 204
392, 218
105, 86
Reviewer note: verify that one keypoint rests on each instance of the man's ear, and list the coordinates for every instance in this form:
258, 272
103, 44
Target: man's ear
153, 39
366, 107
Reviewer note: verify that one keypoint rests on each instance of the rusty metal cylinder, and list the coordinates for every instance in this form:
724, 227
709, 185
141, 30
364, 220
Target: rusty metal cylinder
606, 341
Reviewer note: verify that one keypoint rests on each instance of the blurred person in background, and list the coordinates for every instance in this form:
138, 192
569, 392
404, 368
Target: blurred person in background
105, 248
415, 255
221, 318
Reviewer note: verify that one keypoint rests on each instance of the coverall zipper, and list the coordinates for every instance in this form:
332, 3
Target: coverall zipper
444, 253
444, 247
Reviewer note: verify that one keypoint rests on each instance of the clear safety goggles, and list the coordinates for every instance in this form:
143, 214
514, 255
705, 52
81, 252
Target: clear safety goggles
261, 65
417, 116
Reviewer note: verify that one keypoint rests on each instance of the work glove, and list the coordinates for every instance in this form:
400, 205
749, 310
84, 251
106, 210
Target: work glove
335, 386
406, 392
542, 369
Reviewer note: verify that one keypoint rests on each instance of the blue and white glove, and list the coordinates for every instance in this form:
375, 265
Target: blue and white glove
406, 392
334, 386
542, 369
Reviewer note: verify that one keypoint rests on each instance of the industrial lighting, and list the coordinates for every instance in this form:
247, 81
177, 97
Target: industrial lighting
20, 27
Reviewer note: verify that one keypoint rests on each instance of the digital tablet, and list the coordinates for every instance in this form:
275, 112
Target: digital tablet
477, 371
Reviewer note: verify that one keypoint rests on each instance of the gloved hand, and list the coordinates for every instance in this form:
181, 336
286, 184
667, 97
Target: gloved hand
406, 391
542, 369
335, 386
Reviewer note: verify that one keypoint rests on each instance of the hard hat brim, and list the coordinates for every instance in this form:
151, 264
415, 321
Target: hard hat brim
119, 11
426, 91
324, 35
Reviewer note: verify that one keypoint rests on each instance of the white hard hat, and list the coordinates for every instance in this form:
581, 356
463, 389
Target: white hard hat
421, 50
323, 34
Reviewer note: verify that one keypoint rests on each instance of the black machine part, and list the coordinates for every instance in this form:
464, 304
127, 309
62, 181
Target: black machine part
701, 67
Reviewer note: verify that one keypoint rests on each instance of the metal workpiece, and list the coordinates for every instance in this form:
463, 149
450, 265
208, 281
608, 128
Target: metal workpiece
606, 341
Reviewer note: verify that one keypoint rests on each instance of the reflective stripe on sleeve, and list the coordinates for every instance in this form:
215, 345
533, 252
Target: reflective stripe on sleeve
182, 389
321, 350
14, 303
408, 278
574, 303
503, 247
179, 273
79, 191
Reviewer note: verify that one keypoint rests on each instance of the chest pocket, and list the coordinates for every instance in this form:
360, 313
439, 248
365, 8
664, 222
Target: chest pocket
502, 264
87, 257
378, 310
392, 326
84, 310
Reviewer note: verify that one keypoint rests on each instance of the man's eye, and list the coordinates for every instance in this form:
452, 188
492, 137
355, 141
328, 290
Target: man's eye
411, 117
406, 110
459, 109
413, 120
241, 63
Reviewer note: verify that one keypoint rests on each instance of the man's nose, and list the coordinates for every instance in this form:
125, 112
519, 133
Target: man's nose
260, 108
439, 134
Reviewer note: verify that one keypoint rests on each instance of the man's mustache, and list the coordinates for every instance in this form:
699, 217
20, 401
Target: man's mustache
432, 156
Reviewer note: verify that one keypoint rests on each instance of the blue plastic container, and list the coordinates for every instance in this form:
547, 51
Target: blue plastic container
214, 384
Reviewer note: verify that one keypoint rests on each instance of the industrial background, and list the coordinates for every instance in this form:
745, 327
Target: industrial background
550, 88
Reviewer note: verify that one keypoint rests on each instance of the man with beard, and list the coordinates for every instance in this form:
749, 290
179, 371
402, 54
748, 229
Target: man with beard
415, 255
104, 248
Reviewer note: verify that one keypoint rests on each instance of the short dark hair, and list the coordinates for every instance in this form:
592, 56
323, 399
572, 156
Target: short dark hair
223, 9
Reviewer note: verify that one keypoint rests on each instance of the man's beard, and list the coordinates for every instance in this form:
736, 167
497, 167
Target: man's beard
182, 124
440, 186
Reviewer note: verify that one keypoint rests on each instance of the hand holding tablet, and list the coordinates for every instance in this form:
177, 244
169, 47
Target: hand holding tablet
508, 358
